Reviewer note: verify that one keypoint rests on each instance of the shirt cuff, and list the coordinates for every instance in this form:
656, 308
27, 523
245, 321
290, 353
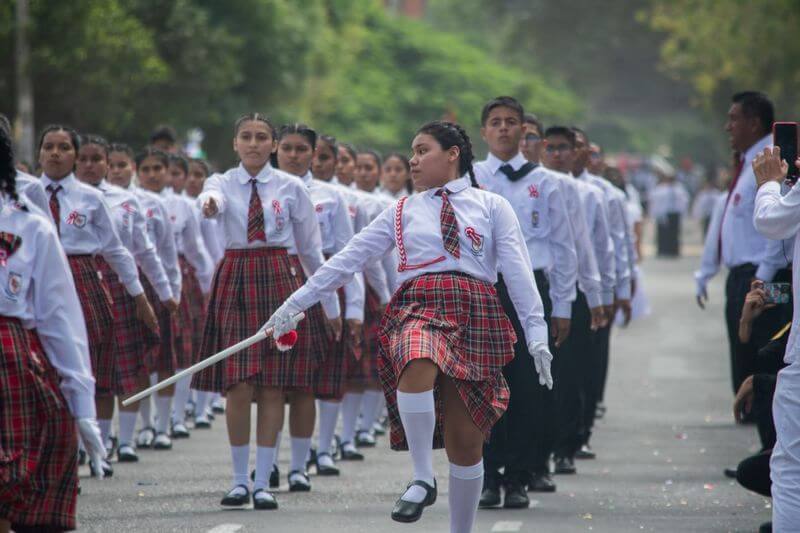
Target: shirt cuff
594, 299
80, 405
304, 298
562, 310
607, 297
766, 273
163, 291
331, 306
624, 291
354, 313
134, 287
536, 333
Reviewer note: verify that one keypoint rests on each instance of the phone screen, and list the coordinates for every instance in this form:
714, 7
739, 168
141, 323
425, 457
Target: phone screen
778, 293
785, 136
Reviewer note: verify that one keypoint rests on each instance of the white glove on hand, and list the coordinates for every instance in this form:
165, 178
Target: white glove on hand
282, 322
541, 360
90, 435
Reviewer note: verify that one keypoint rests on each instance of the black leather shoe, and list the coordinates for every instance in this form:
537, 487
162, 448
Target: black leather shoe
490, 496
730, 472
541, 483
766, 527
264, 501
312, 459
364, 439
516, 497
299, 482
585, 453
407, 512
565, 465
236, 500
350, 455
325, 470
275, 477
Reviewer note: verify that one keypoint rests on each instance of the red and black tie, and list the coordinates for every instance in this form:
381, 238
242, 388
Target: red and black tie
55, 206
449, 225
255, 216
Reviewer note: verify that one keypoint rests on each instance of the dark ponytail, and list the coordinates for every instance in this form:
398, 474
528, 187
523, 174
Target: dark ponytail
449, 134
8, 173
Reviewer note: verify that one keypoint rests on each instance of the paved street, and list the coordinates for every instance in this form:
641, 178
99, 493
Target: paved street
668, 434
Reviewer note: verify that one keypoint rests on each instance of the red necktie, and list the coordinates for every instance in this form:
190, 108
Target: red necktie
255, 216
449, 226
731, 187
55, 206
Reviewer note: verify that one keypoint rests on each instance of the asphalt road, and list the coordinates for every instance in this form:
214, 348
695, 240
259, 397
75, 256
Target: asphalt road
668, 434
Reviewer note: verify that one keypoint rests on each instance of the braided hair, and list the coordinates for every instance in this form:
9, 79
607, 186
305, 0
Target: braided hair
8, 173
449, 134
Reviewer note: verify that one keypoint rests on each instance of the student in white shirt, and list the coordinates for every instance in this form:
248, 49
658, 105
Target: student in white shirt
704, 202
445, 323
346, 165
46, 381
669, 203
396, 176
263, 212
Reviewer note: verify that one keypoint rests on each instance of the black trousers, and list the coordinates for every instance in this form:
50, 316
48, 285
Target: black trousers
668, 237
572, 367
525, 430
753, 473
605, 360
595, 378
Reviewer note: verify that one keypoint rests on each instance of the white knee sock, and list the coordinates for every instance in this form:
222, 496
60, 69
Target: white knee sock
418, 414
277, 448
300, 448
328, 415
127, 423
370, 405
201, 404
264, 459
163, 408
350, 405
466, 483
181, 397
145, 409
105, 428
240, 455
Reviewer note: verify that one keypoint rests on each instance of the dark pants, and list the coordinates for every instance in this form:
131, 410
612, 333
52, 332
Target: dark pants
594, 378
571, 372
753, 473
668, 236
524, 431
605, 360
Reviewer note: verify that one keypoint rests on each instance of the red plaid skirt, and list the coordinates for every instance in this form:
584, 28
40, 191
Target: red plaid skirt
331, 375
161, 357
457, 322
132, 339
38, 437
191, 316
365, 372
98, 312
249, 285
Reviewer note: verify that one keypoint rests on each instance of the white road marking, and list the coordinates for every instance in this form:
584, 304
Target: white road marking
506, 526
226, 528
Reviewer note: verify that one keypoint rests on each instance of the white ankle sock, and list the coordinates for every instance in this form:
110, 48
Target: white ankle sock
145, 409
300, 448
240, 456
466, 483
350, 404
325, 460
105, 428
328, 415
418, 414
277, 448
163, 408
201, 404
264, 459
370, 404
127, 423
181, 397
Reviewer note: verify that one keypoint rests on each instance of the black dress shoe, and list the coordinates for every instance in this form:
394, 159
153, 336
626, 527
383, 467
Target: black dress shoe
108, 470
275, 477
407, 512
541, 483
299, 482
730, 472
325, 470
350, 455
565, 465
264, 501
490, 496
236, 500
312, 459
364, 439
585, 453
766, 527
516, 497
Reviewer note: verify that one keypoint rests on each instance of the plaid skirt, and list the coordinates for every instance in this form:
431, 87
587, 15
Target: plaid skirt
331, 376
98, 312
132, 339
38, 437
248, 286
364, 373
190, 316
161, 357
457, 322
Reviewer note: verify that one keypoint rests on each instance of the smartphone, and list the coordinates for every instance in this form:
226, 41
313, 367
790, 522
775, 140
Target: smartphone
784, 135
778, 293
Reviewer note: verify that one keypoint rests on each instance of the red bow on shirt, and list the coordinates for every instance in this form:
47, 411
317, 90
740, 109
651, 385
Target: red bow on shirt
9, 243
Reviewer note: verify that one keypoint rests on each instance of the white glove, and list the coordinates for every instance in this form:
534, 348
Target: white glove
93, 442
541, 360
283, 321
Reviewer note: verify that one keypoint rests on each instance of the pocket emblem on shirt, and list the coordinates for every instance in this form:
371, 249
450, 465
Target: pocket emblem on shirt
14, 285
533, 191
318, 208
76, 219
737, 199
535, 219
476, 240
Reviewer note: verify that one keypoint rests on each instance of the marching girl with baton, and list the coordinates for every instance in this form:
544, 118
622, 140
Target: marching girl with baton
444, 338
263, 211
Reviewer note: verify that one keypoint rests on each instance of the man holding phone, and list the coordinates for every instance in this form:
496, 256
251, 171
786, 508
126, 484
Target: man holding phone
778, 217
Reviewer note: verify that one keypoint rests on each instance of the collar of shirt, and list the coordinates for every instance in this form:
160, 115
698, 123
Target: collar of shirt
495, 162
67, 183
452, 187
244, 177
757, 148
307, 178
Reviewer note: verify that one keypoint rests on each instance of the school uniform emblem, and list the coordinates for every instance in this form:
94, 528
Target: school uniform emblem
318, 208
533, 191
352, 210
535, 219
9, 243
277, 210
476, 241
737, 199
150, 213
76, 219
13, 285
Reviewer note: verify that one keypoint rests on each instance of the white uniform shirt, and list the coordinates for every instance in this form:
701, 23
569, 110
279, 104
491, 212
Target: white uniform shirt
596, 214
542, 213
38, 288
704, 203
668, 198
86, 228
131, 226
490, 240
31, 187
778, 217
188, 238
159, 229
289, 215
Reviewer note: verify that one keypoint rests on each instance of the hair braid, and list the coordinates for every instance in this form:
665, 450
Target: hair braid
8, 173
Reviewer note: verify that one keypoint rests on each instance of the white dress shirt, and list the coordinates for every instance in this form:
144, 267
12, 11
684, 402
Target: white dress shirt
38, 289
704, 203
596, 214
86, 228
131, 226
541, 210
490, 240
668, 198
188, 237
159, 229
778, 217
31, 187
289, 215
